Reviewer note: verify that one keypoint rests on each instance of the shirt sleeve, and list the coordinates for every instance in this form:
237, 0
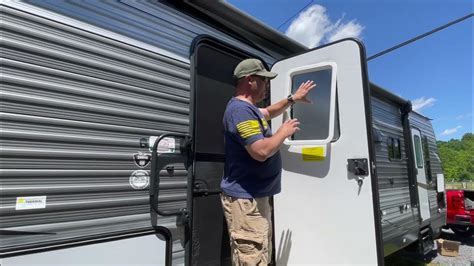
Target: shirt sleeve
246, 126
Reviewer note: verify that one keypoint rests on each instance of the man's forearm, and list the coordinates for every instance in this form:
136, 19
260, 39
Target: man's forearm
278, 108
265, 148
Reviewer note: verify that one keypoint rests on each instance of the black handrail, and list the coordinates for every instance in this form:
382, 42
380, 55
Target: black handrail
160, 160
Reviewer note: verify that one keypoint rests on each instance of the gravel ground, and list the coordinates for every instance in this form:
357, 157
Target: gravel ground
466, 250
465, 257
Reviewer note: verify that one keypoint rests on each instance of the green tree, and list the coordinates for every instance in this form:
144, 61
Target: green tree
457, 157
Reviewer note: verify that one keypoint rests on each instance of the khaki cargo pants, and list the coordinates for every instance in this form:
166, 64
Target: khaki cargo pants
250, 229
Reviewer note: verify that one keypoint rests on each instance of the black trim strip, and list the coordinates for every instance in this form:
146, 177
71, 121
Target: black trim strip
169, 245
372, 157
22, 233
412, 181
90, 240
369, 123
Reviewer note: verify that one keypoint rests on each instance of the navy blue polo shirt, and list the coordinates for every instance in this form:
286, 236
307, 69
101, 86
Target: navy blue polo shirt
245, 177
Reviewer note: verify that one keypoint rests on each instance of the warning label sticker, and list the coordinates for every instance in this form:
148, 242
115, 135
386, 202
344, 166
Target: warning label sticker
313, 154
30, 203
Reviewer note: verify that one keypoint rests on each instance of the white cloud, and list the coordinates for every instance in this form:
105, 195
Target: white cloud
422, 102
351, 29
450, 131
459, 117
313, 27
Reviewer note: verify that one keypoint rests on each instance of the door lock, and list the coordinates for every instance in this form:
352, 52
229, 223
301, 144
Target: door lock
359, 167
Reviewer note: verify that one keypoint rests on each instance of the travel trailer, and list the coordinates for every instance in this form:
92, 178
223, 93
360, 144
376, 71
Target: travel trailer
112, 144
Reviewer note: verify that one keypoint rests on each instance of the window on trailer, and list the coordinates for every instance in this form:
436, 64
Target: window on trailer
315, 118
418, 152
426, 156
394, 149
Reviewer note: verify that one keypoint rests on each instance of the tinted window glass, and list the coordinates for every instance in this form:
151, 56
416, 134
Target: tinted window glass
394, 149
390, 148
314, 118
426, 156
397, 153
418, 156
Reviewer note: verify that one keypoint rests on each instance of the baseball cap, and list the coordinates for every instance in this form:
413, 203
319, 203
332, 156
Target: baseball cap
252, 66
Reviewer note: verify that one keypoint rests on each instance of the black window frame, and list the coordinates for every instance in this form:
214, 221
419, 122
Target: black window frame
417, 139
425, 146
392, 154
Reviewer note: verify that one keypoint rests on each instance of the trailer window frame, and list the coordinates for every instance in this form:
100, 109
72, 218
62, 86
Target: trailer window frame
394, 149
426, 156
418, 152
333, 127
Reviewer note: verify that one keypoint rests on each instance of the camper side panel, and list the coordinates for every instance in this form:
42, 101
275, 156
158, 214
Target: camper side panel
399, 220
74, 105
81, 83
436, 200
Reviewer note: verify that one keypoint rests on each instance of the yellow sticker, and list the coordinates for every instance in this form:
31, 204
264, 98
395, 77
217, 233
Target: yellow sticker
313, 154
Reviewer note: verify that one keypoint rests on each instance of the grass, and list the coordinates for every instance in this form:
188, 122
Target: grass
460, 185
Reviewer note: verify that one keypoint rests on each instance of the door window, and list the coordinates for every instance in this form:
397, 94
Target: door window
317, 119
418, 152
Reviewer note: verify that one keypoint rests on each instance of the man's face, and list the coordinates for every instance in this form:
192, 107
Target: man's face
262, 84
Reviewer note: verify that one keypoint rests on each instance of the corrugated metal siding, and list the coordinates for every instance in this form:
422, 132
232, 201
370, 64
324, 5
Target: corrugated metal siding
392, 175
73, 107
424, 125
151, 22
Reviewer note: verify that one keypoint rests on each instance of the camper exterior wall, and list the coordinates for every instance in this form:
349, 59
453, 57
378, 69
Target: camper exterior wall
399, 219
436, 200
82, 82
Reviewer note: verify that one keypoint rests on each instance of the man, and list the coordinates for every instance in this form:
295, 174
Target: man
253, 164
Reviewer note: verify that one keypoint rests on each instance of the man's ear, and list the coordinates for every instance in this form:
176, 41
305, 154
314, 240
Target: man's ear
248, 79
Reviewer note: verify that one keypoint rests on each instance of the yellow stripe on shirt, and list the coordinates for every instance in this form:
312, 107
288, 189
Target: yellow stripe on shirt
249, 128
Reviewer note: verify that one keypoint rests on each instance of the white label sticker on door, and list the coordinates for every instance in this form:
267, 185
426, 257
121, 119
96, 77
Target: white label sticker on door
30, 203
166, 145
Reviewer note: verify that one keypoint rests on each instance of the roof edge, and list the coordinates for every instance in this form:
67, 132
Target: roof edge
231, 16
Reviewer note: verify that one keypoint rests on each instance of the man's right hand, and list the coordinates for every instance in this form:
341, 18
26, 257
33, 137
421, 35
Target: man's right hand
289, 127
262, 149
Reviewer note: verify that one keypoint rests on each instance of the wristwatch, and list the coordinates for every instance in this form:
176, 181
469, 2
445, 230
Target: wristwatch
290, 99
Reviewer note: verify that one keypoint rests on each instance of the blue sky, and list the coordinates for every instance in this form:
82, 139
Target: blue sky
435, 73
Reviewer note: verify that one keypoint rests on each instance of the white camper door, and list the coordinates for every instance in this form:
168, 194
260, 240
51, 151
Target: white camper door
325, 212
420, 175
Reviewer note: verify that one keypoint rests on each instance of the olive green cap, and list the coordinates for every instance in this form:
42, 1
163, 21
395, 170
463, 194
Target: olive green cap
252, 66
